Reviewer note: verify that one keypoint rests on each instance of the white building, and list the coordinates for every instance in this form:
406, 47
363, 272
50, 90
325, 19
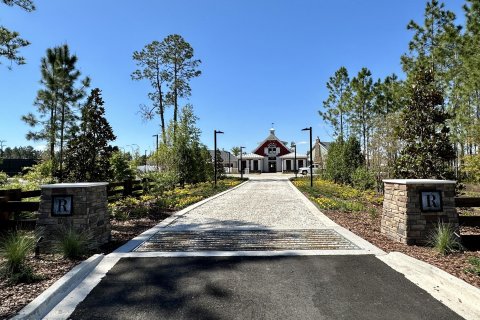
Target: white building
319, 153
271, 155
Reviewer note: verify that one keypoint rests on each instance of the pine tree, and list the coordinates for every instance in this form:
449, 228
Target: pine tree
186, 156
57, 102
362, 107
150, 61
337, 105
181, 67
10, 41
88, 152
427, 151
434, 42
467, 111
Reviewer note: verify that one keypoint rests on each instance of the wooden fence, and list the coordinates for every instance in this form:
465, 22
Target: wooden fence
470, 202
470, 241
12, 204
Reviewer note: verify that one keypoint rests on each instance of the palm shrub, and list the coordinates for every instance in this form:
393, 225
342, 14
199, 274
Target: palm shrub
444, 239
72, 244
14, 249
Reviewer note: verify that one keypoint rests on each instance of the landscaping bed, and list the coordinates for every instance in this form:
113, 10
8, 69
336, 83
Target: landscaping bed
363, 218
52, 267
129, 218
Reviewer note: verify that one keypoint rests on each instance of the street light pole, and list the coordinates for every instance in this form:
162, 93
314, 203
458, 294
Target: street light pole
145, 161
156, 151
295, 161
215, 153
229, 164
311, 160
241, 162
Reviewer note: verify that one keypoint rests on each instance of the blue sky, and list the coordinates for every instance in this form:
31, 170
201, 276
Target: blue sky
262, 61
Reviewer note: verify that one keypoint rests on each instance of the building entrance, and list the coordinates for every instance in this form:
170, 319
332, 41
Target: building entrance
272, 166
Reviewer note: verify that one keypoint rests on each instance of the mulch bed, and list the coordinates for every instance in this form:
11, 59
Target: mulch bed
52, 267
14, 297
367, 227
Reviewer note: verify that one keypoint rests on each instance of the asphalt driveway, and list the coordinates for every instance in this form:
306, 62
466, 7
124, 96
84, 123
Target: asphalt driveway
299, 287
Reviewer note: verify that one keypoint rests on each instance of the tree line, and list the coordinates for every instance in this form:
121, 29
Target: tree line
73, 122
427, 124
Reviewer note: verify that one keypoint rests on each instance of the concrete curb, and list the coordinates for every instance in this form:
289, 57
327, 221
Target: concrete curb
138, 240
68, 304
461, 297
46, 301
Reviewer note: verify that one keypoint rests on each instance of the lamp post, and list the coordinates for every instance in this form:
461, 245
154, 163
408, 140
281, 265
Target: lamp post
229, 163
145, 161
215, 153
241, 163
311, 161
156, 150
295, 161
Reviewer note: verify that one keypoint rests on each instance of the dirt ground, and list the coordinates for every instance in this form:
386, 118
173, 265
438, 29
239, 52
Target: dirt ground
52, 267
367, 227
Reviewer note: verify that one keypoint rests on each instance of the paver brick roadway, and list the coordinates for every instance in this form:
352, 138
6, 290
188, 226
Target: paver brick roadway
258, 287
257, 203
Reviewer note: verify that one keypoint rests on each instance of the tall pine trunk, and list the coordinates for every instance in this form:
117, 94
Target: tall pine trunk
160, 104
175, 100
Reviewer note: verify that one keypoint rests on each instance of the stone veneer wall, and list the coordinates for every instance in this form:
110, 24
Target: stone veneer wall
402, 217
90, 213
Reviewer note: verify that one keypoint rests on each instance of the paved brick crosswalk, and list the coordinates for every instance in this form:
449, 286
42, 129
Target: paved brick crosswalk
246, 240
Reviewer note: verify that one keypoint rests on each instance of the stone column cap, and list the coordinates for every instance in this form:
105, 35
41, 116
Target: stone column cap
73, 185
419, 181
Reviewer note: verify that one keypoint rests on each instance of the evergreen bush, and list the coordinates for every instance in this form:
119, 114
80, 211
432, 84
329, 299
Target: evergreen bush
363, 179
344, 157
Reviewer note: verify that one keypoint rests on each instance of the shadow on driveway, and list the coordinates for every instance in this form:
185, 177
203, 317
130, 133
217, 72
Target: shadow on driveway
301, 287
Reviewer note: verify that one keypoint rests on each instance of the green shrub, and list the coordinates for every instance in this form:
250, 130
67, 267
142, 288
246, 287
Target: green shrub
15, 248
130, 207
39, 173
3, 178
352, 206
120, 167
363, 179
471, 168
373, 213
475, 268
161, 181
72, 244
343, 158
444, 239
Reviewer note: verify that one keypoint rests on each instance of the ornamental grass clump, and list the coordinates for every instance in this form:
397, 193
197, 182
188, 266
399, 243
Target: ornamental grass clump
14, 249
444, 239
72, 244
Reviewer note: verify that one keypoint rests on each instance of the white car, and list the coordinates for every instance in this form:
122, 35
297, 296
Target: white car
306, 170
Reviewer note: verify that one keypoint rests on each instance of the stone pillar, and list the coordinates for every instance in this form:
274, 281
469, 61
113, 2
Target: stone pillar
79, 206
413, 207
